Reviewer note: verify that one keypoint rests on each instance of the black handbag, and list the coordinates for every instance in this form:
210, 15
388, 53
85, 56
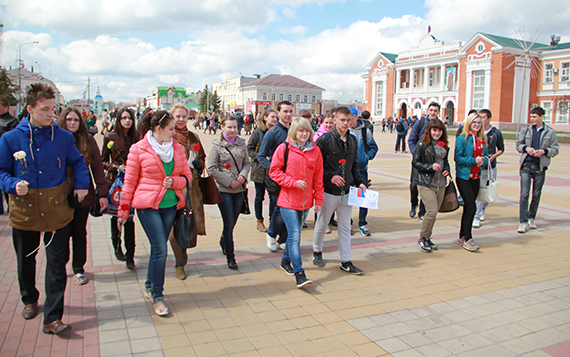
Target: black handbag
245, 207
271, 186
95, 210
450, 202
184, 229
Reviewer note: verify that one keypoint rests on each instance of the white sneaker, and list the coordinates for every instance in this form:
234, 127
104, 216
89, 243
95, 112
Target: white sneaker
522, 228
532, 224
476, 223
482, 218
271, 243
282, 246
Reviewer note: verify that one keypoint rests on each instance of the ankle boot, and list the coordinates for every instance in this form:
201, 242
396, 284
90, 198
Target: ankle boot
129, 237
116, 239
222, 245
231, 258
260, 226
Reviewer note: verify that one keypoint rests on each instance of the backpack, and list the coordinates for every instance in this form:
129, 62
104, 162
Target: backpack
364, 138
270, 185
246, 120
400, 126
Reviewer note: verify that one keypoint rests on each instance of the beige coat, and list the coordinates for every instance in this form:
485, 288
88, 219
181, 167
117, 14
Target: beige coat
219, 157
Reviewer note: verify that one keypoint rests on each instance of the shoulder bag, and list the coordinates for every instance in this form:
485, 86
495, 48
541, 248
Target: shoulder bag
450, 202
487, 186
184, 229
210, 193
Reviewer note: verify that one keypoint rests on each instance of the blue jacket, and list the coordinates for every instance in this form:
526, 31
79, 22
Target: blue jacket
464, 156
405, 123
363, 155
416, 134
271, 141
49, 150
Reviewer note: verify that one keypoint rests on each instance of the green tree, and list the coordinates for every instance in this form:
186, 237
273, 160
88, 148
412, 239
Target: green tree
209, 101
7, 89
215, 101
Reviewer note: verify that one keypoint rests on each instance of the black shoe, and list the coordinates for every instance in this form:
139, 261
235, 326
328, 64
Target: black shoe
130, 264
413, 211
350, 268
333, 223
305, 225
232, 263
119, 254
318, 259
431, 244
286, 267
302, 280
222, 245
424, 245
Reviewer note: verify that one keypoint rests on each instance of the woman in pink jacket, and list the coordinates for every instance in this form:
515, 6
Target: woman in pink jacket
154, 180
301, 184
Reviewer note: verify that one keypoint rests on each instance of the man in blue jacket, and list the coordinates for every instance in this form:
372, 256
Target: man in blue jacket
33, 170
271, 141
367, 150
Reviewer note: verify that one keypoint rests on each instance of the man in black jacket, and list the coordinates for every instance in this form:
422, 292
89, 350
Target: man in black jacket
340, 160
7, 123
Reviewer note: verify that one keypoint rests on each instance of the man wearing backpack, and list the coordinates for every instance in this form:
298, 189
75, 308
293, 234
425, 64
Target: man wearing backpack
270, 142
402, 129
415, 136
340, 158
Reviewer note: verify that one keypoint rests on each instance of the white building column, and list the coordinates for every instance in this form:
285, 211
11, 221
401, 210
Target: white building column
426, 79
468, 91
442, 78
384, 98
398, 80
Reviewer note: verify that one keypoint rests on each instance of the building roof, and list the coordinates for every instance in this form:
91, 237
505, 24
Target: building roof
560, 46
511, 42
349, 98
390, 56
162, 90
283, 81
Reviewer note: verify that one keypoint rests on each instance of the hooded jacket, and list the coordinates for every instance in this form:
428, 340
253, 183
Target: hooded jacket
49, 150
368, 151
306, 165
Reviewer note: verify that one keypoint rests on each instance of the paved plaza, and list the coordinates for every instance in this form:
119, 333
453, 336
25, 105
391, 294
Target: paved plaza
511, 298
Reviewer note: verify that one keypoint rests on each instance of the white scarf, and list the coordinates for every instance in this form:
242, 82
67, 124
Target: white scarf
164, 150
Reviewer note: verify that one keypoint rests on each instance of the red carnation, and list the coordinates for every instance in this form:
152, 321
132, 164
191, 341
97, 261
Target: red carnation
342, 161
228, 166
125, 207
483, 142
441, 143
196, 147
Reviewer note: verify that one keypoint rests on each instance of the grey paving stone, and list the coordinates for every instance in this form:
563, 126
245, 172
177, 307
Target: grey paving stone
115, 349
146, 345
392, 345
363, 323
142, 332
518, 346
475, 325
113, 336
420, 324
404, 315
455, 345
433, 350
496, 335
377, 333
407, 353
495, 321
443, 307
399, 328
416, 339
538, 340
384, 319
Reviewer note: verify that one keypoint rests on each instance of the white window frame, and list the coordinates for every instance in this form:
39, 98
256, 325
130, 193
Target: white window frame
305, 99
563, 112
564, 71
290, 97
380, 98
314, 99
547, 106
298, 98
273, 97
478, 101
431, 73
548, 72
264, 96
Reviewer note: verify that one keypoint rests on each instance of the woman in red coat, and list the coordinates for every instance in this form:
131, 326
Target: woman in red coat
156, 173
301, 184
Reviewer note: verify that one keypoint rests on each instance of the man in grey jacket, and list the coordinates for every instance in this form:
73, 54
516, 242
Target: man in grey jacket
537, 143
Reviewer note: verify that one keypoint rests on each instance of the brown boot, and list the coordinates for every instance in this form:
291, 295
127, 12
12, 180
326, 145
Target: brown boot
260, 226
180, 273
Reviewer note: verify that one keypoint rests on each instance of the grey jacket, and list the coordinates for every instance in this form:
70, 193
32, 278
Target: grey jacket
548, 142
219, 157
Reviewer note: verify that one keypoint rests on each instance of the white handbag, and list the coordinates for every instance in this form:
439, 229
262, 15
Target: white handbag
488, 187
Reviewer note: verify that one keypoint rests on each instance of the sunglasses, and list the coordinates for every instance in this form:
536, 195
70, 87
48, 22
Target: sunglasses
166, 115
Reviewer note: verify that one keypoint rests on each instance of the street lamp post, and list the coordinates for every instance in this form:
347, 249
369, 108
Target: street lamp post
20, 73
36, 62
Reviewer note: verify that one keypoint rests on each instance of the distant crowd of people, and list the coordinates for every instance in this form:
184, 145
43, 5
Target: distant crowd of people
55, 174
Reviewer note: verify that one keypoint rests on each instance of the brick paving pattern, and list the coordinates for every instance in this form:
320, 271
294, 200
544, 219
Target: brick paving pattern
510, 298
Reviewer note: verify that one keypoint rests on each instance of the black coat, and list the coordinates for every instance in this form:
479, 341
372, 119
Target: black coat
332, 150
424, 158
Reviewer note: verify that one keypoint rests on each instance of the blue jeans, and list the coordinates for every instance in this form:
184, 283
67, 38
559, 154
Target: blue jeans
259, 197
530, 173
293, 221
276, 227
363, 212
230, 208
157, 225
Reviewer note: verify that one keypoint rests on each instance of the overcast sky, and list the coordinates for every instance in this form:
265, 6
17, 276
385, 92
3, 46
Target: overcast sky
129, 47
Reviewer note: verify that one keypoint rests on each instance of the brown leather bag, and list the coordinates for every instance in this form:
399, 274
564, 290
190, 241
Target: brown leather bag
450, 202
210, 193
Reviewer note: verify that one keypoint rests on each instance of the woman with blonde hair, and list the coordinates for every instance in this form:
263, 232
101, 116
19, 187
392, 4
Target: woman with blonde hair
301, 186
470, 155
196, 157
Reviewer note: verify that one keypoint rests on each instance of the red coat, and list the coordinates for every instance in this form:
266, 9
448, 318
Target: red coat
145, 174
304, 165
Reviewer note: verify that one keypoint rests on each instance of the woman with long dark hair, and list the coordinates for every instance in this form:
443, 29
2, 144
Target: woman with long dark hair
114, 155
71, 120
430, 159
470, 155
155, 176
228, 162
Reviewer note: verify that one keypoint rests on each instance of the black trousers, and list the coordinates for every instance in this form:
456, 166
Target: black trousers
78, 234
128, 234
414, 193
55, 278
469, 190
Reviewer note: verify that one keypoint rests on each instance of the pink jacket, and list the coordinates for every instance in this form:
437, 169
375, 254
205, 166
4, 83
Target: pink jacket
304, 165
320, 132
144, 175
